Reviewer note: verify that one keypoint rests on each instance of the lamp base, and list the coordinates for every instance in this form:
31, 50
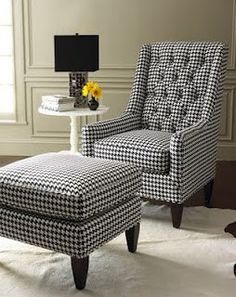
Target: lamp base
76, 82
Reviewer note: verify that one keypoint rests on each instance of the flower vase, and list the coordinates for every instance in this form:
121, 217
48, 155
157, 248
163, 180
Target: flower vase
93, 103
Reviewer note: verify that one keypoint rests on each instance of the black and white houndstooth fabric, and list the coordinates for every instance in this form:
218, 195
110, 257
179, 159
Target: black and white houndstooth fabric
68, 203
100, 130
177, 90
151, 151
67, 186
66, 236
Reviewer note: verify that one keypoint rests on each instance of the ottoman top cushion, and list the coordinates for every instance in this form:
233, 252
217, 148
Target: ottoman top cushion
67, 186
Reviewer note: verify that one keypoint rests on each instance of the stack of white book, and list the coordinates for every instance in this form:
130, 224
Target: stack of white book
58, 103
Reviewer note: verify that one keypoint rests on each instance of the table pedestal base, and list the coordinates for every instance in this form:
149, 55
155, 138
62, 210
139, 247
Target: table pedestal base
73, 135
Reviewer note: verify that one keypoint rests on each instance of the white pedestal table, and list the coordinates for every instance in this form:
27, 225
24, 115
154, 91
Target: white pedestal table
73, 114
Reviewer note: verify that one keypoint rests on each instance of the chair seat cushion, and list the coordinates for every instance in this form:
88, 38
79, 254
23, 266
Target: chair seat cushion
147, 149
67, 186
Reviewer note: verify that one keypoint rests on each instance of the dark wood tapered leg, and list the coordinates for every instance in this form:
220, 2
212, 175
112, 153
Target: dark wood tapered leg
132, 238
176, 213
235, 269
208, 188
80, 271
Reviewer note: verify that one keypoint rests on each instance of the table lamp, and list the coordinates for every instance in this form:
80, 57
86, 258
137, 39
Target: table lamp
76, 54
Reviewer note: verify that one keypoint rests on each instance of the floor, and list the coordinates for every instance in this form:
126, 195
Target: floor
4, 160
224, 192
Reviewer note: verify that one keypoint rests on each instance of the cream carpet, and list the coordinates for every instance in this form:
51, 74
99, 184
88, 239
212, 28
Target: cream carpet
196, 260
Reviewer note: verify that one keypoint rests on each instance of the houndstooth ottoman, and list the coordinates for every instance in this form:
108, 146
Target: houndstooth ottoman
70, 204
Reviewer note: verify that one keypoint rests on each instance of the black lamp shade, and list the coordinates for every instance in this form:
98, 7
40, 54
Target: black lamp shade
76, 53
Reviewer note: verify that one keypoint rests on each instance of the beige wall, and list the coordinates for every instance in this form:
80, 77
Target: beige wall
123, 27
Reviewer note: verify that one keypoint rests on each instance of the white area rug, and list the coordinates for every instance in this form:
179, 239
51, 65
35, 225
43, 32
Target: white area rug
196, 260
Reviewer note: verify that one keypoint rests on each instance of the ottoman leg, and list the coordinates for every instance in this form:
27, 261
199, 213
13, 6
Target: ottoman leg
80, 271
132, 238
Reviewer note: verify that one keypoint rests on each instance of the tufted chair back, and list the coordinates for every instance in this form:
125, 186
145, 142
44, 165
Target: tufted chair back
176, 84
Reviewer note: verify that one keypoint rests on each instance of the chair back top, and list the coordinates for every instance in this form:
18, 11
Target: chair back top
177, 83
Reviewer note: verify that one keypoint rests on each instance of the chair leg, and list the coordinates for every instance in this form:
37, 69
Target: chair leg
80, 271
132, 238
208, 188
176, 213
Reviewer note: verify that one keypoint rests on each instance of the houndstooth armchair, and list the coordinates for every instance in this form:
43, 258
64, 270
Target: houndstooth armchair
170, 127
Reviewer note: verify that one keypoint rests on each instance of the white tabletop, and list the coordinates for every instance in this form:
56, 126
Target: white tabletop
83, 111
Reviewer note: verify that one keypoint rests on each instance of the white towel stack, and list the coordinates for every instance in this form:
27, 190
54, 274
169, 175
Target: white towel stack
58, 103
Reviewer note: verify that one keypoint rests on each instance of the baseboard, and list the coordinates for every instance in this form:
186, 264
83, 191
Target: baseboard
31, 147
226, 153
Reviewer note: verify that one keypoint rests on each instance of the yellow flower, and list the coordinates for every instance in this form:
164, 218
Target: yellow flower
92, 88
96, 91
85, 91
90, 85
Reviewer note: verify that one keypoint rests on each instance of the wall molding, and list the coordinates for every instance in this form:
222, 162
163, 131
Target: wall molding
28, 32
31, 147
60, 78
228, 117
19, 63
31, 98
232, 58
37, 133
31, 65
64, 79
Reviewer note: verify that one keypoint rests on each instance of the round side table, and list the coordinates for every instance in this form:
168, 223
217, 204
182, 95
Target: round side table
73, 114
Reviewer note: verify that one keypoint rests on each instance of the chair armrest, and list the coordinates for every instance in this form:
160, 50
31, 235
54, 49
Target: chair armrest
191, 149
93, 132
192, 130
